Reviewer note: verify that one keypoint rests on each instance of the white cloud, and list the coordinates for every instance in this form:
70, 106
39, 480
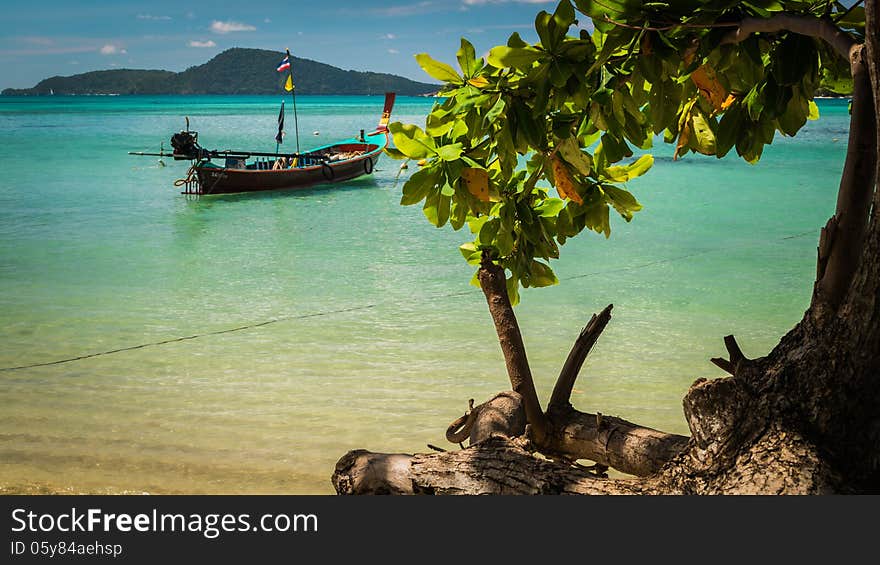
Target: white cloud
208, 43
32, 40
393, 51
226, 27
389, 36
152, 17
267, 21
111, 49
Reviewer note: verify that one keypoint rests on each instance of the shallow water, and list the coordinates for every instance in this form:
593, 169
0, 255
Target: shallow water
371, 336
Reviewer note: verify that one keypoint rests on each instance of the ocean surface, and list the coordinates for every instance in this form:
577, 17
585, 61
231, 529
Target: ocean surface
282, 329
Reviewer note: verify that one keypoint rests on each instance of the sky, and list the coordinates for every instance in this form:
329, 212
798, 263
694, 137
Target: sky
76, 36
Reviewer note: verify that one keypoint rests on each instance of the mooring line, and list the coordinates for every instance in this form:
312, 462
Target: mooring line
374, 305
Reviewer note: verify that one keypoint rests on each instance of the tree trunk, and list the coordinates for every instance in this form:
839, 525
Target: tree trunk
494, 285
841, 241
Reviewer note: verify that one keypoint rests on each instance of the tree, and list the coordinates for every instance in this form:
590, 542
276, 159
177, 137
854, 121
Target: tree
567, 112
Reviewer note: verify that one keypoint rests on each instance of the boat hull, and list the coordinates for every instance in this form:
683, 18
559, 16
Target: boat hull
217, 180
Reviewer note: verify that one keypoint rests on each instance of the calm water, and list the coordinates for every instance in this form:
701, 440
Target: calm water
377, 340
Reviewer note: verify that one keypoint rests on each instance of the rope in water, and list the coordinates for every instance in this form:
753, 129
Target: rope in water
374, 305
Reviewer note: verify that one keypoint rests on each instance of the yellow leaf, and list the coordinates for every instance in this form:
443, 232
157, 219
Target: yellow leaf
684, 136
479, 82
709, 86
477, 182
727, 103
564, 183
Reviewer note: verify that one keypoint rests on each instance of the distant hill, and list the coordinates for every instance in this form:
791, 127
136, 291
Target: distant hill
234, 71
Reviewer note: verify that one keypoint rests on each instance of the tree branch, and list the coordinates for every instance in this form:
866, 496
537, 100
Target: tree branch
610, 441
823, 29
737, 358
576, 357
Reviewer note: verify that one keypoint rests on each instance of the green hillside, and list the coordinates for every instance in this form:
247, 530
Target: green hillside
234, 71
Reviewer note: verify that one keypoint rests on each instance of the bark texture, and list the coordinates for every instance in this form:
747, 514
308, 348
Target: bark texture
494, 285
494, 466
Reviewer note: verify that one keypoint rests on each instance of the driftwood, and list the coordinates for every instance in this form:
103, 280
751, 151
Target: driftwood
496, 465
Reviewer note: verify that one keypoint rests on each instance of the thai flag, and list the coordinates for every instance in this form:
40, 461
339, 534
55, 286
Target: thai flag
285, 64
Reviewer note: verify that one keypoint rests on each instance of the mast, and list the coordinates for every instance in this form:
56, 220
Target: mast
293, 95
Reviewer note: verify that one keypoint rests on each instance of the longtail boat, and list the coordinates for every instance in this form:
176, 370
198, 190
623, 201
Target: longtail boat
228, 171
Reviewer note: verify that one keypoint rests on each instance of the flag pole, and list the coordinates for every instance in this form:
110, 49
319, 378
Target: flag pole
293, 94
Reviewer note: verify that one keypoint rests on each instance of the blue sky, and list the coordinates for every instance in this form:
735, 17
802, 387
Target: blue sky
71, 37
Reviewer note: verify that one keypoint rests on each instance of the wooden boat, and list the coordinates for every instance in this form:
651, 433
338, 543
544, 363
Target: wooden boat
227, 171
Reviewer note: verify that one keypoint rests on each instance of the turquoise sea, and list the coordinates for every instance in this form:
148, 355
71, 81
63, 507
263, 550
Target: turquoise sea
332, 319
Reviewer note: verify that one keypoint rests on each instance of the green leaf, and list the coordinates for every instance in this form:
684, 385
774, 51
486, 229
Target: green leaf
641, 166
467, 59
419, 185
729, 128
550, 207
520, 58
470, 253
443, 203
430, 208
754, 102
489, 231
794, 117
437, 126
495, 111
515, 40
624, 173
504, 241
450, 152
438, 70
596, 218
394, 153
814, 111
411, 140
614, 149
542, 26
794, 57
622, 200
703, 138
458, 215
571, 152
528, 133
512, 284
616, 9
564, 16
541, 274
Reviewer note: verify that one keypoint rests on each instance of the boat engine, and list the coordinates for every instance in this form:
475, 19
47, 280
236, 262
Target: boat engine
186, 145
